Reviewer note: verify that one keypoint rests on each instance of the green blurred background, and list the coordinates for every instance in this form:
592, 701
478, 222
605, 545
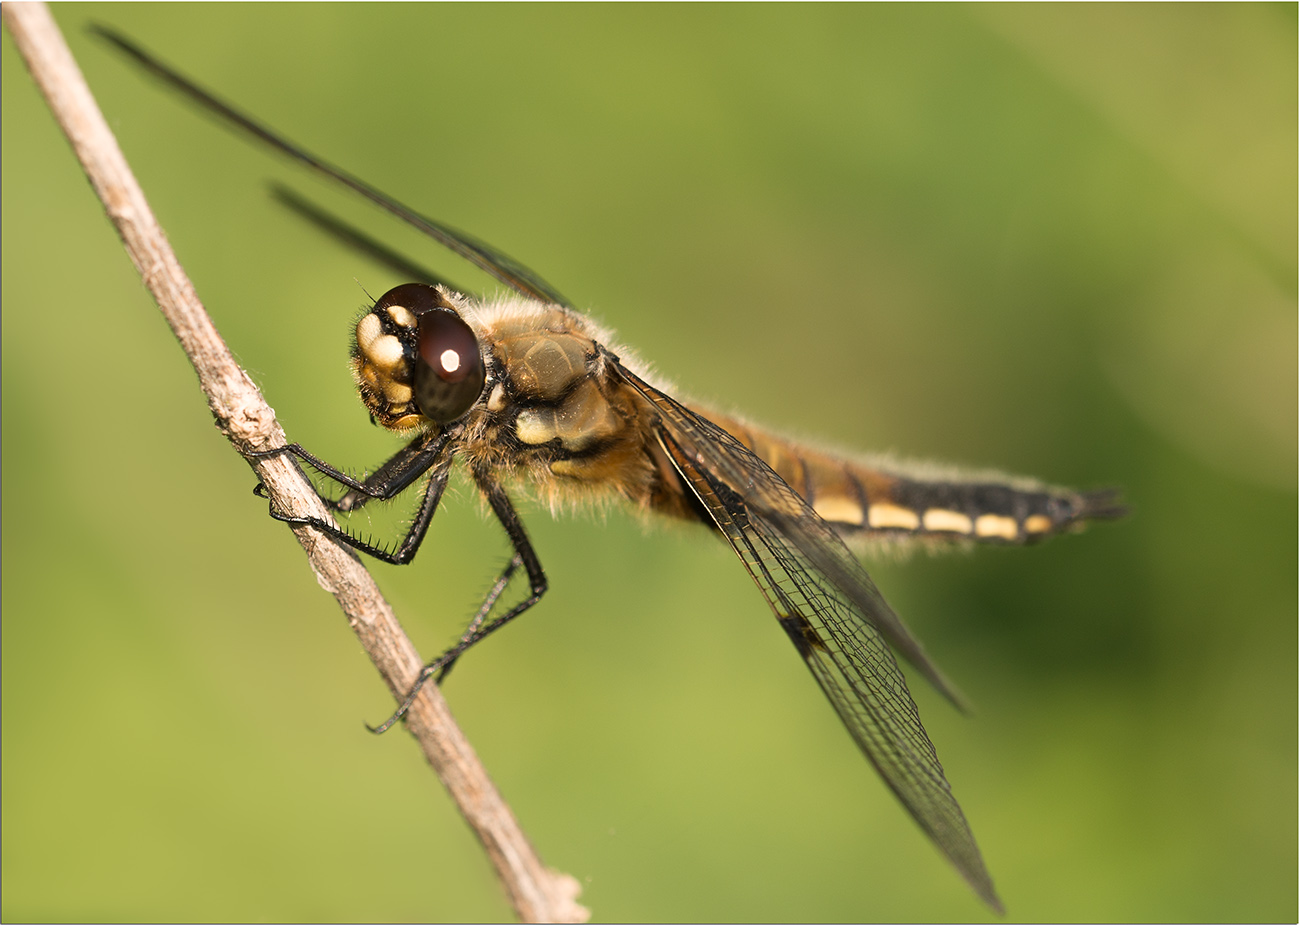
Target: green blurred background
1059, 240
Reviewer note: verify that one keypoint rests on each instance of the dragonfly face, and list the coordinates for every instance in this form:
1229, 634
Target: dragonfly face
416, 360
524, 389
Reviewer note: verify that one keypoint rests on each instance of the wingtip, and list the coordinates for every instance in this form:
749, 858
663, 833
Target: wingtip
983, 887
991, 900
970, 865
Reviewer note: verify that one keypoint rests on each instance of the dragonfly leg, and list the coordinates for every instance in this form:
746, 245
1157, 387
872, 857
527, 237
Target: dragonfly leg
480, 626
388, 481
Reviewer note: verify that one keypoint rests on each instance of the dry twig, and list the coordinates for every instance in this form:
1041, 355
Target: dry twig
536, 892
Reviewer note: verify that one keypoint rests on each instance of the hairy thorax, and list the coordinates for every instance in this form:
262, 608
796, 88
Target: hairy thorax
555, 412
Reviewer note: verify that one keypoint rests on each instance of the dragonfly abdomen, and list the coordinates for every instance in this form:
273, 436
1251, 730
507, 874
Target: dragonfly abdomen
887, 499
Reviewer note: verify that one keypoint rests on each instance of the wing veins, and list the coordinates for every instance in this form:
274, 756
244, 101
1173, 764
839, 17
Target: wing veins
491, 261
817, 541
844, 648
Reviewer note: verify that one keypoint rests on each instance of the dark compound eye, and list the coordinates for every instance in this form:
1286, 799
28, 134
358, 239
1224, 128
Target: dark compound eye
447, 365
449, 373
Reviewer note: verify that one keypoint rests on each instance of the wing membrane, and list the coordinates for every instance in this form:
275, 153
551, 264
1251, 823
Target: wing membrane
833, 613
495, 263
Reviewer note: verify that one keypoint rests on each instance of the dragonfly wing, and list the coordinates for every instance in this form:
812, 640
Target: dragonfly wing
487, 258
763, 491
832, 612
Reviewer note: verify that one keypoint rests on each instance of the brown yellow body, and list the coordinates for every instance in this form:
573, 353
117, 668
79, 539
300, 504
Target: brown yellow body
556, 413
523, 388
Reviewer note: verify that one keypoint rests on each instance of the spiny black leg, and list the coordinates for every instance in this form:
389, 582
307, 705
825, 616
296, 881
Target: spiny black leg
480, 626
398, 473
389, 480
385, 483
489, 601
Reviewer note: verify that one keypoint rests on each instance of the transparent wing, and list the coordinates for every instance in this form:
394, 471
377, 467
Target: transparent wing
494, 262
833, 613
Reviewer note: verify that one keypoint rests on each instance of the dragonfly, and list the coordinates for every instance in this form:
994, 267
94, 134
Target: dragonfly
523, 390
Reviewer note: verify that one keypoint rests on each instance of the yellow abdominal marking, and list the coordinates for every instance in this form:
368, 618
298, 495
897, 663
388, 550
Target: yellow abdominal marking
881, 516
995, 525
941, 521
1038, 523
839, 510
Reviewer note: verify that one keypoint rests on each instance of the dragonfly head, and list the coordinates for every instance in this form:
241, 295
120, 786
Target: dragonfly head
415, 359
